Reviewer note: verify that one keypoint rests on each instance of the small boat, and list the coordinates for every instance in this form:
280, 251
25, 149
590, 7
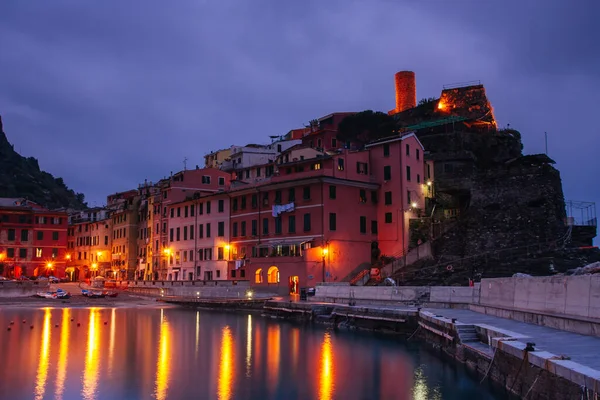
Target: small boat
46, 295
111, 293
58, 294
94, 294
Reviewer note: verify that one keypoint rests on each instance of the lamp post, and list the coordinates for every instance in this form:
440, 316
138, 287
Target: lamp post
324, 253
67, 259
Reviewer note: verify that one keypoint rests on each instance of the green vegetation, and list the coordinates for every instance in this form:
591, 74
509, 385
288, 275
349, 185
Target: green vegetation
366, 126
21, 177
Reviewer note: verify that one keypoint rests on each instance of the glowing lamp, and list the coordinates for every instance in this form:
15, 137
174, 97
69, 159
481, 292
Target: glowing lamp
441, 105
429, 183
249, 294
49, 265
325, 251
413, 204
94, 266
227, 247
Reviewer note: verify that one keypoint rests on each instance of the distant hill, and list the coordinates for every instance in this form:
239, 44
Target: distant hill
21, 177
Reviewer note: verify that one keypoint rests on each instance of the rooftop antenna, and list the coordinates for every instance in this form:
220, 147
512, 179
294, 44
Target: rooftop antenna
185, 163
546, 140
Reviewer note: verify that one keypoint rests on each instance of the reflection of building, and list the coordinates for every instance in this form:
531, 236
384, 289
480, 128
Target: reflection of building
33, 240
89, 246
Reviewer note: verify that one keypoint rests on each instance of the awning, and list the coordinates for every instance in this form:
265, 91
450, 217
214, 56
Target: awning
284, 242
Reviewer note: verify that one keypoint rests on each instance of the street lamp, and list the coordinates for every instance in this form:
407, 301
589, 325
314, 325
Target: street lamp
324, 252
48, 267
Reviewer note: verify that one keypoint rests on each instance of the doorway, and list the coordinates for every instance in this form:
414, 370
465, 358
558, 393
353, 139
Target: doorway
294, 283
191, 276
208, 275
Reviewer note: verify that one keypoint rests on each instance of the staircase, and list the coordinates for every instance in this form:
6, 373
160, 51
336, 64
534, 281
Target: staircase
467, 334
361, 279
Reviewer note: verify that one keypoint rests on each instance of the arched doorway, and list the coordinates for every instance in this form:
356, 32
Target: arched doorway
294, 283
273, 274
258, 278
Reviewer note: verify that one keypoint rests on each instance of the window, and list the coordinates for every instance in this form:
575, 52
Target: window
54, 235
208, 207
178, 234
11, 234
387, 173
258, 278
278, 197
22, 253
38, 253
206, 180
418, 178
306, 193
408, 173
278, 225
254, 227
373, 197
10, 253
243, 228
292, 195
258, 172
172, 213
386, 150
178, 212
408, 197
332, 221
265, 199
388, 198
185, 254
428, 171
54, 253
208, 230
417, 153
333, 142
200, 208
306, 222
362, 168
39, 234
233, 271
171, 235
200, 231
362, 196
220, 253
254, 201
265, 226
388, 218
185, 211
191, 232
191, 211
185, 233
363, 224
234, 204
273, 275
234, 229
221, 181
408, 150
191, 257
332, 191
374, 227
221, 229
340, 164
292, 224
25, 235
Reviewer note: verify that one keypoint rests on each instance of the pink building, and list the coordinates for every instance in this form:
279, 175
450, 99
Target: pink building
185, 185
398, 166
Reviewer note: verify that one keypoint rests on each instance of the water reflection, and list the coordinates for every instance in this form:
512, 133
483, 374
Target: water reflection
149, 353
326, 370
90, 374
249, 347
42, 372
163, 365
226, 366
63, 353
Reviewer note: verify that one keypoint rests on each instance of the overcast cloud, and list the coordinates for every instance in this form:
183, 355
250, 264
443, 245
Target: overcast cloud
107, 94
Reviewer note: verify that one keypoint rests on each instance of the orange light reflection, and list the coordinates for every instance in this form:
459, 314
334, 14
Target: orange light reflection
273, 344
327, 371
163, 365
63, 353
249, 347
111, 343
226, 367
90, 374
42, 372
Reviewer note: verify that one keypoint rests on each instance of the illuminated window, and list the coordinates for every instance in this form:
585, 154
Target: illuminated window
258, 276
38, 253
273, 275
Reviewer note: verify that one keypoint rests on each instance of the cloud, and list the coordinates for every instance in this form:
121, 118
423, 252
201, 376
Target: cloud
109, 94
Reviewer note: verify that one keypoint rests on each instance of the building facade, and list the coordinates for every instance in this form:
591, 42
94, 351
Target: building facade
89, 248
125, 209
33, 240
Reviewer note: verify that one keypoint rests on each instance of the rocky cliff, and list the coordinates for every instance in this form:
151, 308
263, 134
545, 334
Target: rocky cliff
21, 177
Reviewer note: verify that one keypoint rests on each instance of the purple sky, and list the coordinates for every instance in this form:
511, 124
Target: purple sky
108, 93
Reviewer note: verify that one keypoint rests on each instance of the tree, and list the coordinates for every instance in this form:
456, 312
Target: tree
427, 100
364, 127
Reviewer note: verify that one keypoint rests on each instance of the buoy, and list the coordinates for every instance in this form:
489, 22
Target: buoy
8, 329
78, 324
24, 321
56, 325
31, 327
